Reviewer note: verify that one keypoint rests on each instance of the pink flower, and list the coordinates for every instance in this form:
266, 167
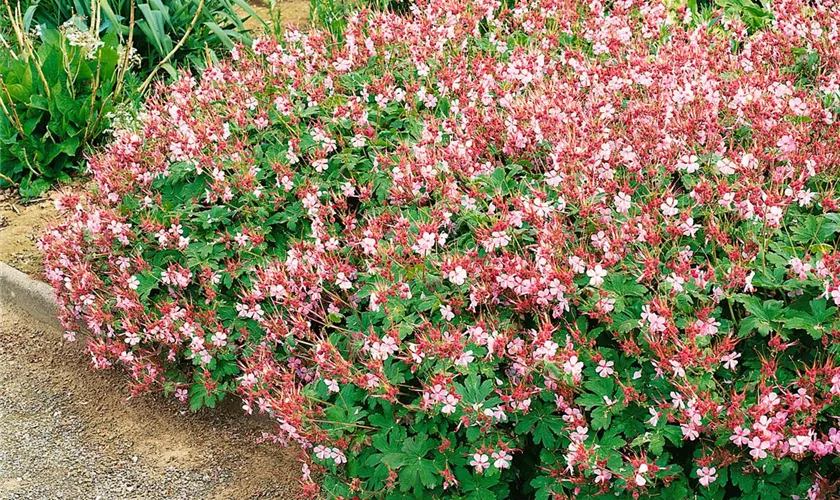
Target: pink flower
707, 475
739, 436
798, 106
480, 461
601, 475
622, 203
457, 276
501, 459
547, 350
730, 361
241, 239
688, 163
425, 244
573, 367
758, 447
604, 368
799, 444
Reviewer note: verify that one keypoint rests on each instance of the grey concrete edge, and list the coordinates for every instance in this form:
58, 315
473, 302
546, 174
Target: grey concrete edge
29, 295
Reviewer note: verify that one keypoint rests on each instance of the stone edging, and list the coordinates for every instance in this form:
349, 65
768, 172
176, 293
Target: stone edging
35, 297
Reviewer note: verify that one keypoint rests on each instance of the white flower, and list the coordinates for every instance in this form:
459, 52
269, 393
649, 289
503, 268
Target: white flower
465, 359
596, 275
381, 349
726, 166
640, 480
547, 350
457, 276
706, 475
669, 207
480, 461
501, 459
654, 418
604, 368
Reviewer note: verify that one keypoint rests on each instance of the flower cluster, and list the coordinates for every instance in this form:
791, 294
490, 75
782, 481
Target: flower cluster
551, 248
86, 39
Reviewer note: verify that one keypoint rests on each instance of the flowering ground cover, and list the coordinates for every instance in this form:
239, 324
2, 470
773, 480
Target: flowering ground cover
484, 250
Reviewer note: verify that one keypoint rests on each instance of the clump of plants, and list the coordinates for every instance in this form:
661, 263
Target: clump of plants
331, 15
71, 71
57, 87
168, 33
549, 249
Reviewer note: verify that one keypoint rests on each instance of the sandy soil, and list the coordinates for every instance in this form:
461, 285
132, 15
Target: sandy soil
292, 13
69, 431
20, 227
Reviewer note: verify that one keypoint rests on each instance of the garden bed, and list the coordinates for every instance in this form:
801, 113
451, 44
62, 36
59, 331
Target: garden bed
543, 250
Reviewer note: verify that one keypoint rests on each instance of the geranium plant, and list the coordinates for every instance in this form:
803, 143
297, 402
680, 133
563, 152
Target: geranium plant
543, 249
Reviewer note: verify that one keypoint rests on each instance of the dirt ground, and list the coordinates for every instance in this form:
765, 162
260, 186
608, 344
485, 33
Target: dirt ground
20, 227
67, 431
292, 13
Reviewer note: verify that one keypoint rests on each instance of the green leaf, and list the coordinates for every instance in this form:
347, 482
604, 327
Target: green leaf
424, 470
33, 189
806, 230
474, 391
624, 286
810, 322
832, 223
762, 314
198, 393
589, 400
601, 417
416, 471
541, 424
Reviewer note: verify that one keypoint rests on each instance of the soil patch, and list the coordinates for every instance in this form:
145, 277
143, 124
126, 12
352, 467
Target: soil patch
293, 13
21, 225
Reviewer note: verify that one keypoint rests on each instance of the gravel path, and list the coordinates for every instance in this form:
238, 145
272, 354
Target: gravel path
67, 431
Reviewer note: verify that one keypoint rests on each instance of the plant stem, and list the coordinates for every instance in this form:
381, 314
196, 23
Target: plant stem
127, 54
9, 180
163, 61
94, 28
12, 116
